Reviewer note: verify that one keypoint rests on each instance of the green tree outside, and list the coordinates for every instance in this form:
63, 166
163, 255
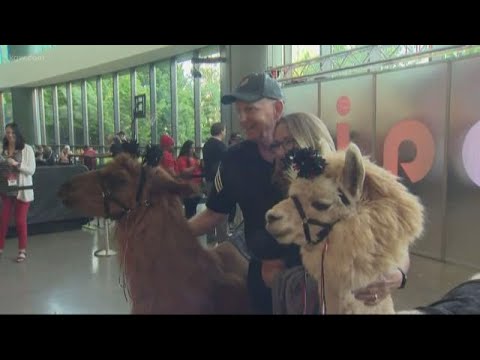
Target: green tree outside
209, 100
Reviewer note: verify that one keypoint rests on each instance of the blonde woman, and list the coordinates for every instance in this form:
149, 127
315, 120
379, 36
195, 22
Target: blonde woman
303, 130
297, 130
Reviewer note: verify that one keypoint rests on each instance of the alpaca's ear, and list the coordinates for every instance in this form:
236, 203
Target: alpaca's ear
353, 172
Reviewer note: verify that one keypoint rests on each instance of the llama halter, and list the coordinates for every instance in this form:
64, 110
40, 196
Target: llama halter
309, 164
326, 227
109, 197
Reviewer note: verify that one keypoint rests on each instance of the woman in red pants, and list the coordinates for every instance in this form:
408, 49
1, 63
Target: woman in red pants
17, 166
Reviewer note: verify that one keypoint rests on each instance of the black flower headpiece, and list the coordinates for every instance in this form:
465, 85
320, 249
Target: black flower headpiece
308, 162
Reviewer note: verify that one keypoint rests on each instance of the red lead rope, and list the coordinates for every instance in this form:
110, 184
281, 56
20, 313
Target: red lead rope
323, 301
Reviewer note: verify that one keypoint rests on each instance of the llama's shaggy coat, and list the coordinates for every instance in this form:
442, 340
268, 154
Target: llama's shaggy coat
166, 270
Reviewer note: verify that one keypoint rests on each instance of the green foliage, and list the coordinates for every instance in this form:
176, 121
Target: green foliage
7, 107
209, 98
125, 100
163, 99
457, 54
185, 105
77, 114
48, 107
62, 113
340, 48
346, 62
92, 113
142, 87
107, 97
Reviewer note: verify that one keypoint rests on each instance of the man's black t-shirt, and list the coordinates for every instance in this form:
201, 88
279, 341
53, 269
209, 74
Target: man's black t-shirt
213, 152
244, 177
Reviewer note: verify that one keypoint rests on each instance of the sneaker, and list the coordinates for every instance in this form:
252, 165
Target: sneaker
22, 255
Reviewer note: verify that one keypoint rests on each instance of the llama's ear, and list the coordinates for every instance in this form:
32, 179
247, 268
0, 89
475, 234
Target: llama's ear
161, 184
353, 172
179, 188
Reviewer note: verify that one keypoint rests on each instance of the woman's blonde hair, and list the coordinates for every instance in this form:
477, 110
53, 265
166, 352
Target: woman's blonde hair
308, 131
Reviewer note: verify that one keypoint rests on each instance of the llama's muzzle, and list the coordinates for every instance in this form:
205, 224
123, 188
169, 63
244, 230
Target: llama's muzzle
272, 216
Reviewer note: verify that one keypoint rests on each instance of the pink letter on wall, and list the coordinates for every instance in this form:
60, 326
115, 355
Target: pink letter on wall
471, 153
420, 135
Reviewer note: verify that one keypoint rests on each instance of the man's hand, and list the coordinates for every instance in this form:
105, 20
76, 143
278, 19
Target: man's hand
205, 221
380, 289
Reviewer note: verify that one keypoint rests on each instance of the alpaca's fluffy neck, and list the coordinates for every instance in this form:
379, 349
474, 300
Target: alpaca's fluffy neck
340, 277
312, 260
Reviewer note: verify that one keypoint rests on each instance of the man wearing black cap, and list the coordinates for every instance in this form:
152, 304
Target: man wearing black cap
244, 177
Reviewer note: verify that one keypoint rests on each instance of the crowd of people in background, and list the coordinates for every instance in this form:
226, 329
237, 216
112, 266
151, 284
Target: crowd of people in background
199, 170
199, 167
45, 156
195, 166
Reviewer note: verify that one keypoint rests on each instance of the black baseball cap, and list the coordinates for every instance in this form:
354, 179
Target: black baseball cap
255, 87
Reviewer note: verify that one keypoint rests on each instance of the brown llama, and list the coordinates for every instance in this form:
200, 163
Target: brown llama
166, 269
354, 215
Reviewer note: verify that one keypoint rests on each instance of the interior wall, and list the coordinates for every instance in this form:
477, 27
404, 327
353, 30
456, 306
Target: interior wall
411, 115
244, 59
301, 98
347, 107
23, 112
462, 224
422, 124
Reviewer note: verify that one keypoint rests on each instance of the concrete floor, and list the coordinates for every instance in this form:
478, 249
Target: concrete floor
62, 276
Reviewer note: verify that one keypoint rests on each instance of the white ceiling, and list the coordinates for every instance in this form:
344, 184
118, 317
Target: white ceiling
70, 62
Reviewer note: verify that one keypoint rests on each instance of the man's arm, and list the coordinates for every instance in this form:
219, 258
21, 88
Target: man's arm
205, 221
221, 200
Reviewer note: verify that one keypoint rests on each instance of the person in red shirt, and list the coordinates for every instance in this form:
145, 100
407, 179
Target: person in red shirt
189, 168
89, 157
168, 160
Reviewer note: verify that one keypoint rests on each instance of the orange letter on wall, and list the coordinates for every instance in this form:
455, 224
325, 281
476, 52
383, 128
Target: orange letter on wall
420, 135
343, 136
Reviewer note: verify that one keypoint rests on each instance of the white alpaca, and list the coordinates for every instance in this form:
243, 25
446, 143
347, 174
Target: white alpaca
359, 216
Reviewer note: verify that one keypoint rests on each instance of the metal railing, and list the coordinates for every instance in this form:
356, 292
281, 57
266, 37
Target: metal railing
365, 59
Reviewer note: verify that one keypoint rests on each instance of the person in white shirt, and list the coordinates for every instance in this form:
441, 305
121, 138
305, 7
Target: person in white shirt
17, 166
